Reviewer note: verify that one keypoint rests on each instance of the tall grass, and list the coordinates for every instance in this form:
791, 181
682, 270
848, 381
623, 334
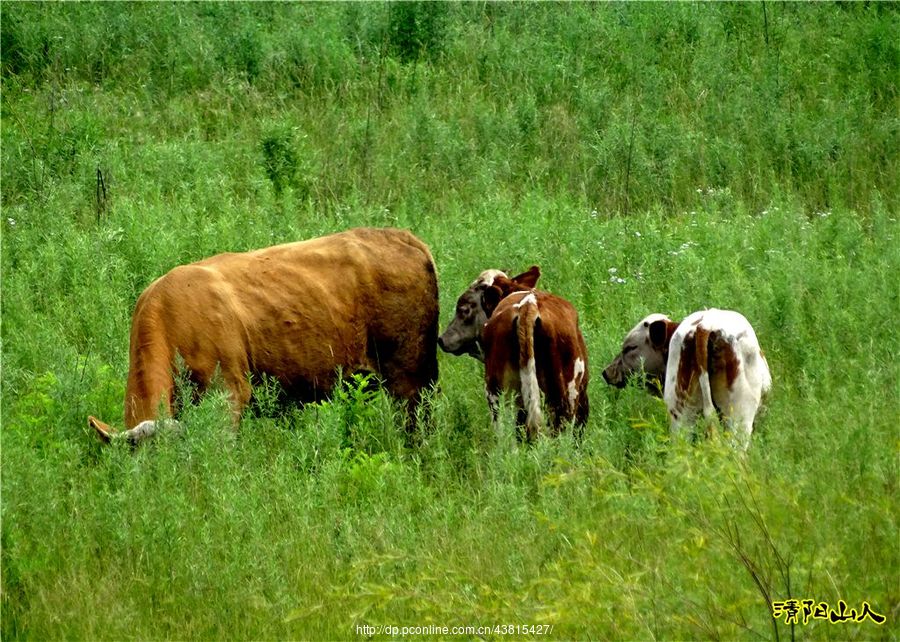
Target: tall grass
648, 157
618, 106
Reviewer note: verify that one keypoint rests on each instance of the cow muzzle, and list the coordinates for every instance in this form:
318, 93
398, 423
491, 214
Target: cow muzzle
459, 348
613, 377
448, 346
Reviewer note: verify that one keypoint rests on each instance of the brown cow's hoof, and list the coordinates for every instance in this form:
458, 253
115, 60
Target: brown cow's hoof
103, 430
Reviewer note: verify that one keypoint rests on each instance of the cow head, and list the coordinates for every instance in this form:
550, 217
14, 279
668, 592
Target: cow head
645, 348
475, 306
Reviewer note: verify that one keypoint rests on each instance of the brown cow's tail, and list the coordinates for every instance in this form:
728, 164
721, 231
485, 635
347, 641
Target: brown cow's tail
529, 317
151, 383
132, 436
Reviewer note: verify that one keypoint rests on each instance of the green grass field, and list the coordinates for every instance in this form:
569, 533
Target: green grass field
649, 157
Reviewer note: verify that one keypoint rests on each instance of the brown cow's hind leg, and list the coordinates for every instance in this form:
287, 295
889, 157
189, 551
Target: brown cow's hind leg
240, 391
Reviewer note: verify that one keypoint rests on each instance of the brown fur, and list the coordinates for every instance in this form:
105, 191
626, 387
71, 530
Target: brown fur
687, 372
706, 351
361, 300
722, 359
694, 360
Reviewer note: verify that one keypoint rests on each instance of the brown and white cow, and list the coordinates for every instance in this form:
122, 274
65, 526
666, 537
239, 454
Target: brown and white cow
711, 362
530, 343
364, 300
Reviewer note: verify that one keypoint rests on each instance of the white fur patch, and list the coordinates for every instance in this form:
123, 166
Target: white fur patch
486, 278
531, 393
529, 299
577, 374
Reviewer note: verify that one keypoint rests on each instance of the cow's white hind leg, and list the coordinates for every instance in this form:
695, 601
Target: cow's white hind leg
740, 431
739, 409
682, 423
493, 401
741, 421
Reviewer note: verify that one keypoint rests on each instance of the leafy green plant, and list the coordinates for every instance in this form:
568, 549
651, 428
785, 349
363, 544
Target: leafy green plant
279, 160
415, 29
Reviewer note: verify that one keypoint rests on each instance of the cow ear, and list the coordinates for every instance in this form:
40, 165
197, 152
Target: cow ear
503, 284
658, 333
490, 299
528, 279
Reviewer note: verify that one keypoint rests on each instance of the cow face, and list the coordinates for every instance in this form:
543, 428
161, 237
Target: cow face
645, 348
475, 306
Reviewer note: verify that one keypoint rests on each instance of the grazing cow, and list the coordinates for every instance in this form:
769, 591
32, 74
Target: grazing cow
710, 362
364, 300
530, 343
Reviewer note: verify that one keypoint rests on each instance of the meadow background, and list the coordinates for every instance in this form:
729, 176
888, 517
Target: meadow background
648, 157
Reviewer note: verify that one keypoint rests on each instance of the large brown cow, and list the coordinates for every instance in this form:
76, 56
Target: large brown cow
530, 343
364, 300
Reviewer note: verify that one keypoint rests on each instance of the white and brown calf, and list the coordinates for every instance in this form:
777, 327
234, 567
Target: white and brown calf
711, 362
530, 343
